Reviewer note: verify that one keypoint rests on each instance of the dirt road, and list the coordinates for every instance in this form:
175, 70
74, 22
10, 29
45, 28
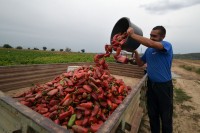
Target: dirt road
186, 114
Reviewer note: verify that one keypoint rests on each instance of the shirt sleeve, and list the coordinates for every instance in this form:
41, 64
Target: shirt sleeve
167, 46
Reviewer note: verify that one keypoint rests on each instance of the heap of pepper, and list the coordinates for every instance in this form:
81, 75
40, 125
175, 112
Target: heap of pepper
82, 99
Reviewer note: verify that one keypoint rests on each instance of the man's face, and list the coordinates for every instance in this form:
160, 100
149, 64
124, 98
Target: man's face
155, 36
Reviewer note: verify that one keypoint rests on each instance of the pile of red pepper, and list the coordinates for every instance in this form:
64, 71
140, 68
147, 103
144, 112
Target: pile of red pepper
82, 99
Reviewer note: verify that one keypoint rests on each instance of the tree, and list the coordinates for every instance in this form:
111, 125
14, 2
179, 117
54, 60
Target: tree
61, 50
28, 48
7, 46
44, 48
52, 49
83, 50
67, 50
19, 47
35, 49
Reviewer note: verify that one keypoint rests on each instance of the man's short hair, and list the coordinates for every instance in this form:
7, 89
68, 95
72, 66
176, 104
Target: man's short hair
161, 29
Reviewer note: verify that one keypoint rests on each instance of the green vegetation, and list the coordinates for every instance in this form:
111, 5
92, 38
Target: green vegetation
191, 68
180, 96
193, 56
18, 57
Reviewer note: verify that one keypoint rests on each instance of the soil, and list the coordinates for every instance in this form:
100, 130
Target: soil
186, 118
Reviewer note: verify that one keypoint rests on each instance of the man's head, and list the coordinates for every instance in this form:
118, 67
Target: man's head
158, 33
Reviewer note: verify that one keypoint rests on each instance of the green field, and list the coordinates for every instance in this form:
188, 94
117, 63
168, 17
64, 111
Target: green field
9, 56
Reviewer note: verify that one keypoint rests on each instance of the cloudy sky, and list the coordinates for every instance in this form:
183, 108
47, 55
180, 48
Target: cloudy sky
87, 24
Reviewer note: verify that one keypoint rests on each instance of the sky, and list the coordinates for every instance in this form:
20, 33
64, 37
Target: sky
87, 24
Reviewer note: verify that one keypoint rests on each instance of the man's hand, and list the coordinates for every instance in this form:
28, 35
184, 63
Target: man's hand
130, 31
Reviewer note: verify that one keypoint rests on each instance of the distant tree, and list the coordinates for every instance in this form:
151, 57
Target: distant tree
44, 48
52, 49
35, 49
19, 47
83, 50
61, 50
67, 50
28, 48
7, 46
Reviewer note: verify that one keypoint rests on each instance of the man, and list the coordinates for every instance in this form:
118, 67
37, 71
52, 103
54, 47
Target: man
158, 58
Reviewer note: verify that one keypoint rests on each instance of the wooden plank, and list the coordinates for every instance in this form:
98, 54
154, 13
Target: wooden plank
27, 118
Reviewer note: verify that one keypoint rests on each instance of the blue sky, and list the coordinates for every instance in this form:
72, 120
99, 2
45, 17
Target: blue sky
87, 24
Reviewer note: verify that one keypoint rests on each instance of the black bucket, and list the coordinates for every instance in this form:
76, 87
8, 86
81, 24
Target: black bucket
121, 26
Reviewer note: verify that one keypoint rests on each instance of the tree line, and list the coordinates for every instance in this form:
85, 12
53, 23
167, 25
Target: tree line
44, 48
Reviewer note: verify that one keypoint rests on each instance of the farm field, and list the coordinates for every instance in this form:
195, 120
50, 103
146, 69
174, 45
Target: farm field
23, 57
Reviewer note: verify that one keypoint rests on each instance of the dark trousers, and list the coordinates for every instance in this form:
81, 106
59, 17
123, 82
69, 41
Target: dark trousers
160, 106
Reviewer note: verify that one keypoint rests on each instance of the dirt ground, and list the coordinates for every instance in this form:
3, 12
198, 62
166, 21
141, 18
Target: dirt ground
187, 114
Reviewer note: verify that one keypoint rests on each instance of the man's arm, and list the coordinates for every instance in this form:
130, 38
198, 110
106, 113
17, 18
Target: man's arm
143, 40
138, 59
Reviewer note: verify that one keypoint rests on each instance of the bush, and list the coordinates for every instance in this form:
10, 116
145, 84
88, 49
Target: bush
61, 50
67, 50
19, 47
35, 49
52, 49
7, 46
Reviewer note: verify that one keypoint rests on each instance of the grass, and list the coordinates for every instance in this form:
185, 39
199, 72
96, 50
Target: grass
180, 96
23, 57
191, 68
187, 107
195, 117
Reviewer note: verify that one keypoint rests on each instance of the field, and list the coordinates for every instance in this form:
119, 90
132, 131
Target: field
23, 57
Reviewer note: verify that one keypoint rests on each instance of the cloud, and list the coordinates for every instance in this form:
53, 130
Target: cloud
164, 6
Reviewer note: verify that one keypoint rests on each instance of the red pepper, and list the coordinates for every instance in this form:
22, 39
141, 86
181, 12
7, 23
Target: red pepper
109, 104
66, 97
69, 89
87, 112
114, 105
94, 96
79, 122
70, 108
43, 110
57, 121
47, 114
95, 110
52, 92
53, 102
87, 88
92, 119
103, 103
78, 114
121, 89
95, 127
64, 115
87, 105
53, 114
79, 129
85, 121
69, 82
55, 107
67, 102
99, 113
26, 103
